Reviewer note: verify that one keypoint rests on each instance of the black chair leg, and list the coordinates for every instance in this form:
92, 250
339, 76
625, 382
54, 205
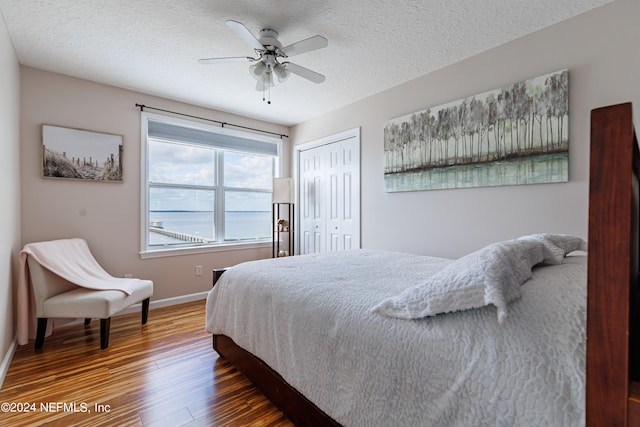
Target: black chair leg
105, 324
145, 311
87, 321
42, 328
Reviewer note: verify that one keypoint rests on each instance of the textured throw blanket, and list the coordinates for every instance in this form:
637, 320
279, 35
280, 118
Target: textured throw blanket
70, 259
309, 318
493, 275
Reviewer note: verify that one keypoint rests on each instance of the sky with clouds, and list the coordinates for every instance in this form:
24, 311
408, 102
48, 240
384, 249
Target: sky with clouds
178, 163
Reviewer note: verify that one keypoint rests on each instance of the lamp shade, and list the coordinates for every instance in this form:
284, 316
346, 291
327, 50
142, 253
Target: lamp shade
283, 190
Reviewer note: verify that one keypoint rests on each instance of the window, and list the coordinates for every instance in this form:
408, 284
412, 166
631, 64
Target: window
204, 186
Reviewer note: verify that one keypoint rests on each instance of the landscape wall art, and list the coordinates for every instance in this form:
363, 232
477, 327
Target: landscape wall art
515, 135
81, 154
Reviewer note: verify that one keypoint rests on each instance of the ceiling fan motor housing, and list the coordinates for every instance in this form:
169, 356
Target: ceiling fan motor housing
269, 39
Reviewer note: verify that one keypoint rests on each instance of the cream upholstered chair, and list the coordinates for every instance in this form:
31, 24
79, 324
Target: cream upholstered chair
56, 297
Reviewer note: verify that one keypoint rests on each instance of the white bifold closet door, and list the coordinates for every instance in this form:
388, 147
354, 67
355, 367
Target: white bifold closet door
329, 202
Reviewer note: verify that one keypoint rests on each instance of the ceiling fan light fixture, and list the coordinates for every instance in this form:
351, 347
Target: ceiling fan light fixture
265, 81
282, 72
269, 53
268, 78
257, 70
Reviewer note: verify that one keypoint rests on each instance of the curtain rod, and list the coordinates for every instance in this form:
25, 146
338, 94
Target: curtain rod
223, 124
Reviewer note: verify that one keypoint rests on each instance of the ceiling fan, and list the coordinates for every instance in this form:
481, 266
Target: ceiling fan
271, 56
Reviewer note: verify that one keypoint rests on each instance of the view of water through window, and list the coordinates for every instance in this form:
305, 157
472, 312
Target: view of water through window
239, 225
207, 186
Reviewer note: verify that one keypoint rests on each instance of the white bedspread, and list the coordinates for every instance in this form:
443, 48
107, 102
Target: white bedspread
365, 369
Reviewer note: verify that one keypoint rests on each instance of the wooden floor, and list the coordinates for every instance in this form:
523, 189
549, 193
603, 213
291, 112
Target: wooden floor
164, 373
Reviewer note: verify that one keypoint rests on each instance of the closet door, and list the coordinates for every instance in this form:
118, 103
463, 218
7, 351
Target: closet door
329, 177
312, 219
343, 196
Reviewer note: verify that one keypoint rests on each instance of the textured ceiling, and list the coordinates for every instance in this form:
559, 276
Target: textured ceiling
152, 45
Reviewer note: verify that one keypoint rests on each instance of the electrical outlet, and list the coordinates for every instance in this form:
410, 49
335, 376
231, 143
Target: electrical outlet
128, 276
198, 270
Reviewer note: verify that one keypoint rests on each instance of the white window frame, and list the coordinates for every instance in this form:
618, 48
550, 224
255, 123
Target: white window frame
145, 252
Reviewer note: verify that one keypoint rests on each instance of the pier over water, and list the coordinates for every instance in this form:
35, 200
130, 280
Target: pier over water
185, 237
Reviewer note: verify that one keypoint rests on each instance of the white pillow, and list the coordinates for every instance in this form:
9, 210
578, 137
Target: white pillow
491, 275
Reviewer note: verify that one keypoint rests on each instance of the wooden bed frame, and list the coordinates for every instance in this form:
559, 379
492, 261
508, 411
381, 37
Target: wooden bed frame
613, 307
300, 410
613, 317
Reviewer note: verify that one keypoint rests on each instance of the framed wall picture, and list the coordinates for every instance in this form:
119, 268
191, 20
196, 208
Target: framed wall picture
81, 154
518, 134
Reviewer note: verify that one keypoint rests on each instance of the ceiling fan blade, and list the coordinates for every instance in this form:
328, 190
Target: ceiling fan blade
306, 45
226, 60
304, 72
245, 34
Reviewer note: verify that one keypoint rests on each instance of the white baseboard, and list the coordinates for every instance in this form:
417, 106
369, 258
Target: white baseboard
6, 361
166, 302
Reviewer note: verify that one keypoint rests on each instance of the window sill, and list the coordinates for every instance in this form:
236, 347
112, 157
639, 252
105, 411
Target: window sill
223, 247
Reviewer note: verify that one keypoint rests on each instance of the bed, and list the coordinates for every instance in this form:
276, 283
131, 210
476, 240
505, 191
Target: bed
331, 354
613, 364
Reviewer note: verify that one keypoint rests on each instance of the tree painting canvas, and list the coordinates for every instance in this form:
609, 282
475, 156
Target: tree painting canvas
515, 135
81, 154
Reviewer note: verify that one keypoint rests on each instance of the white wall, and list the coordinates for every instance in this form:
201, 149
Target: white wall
9, 187
600, 50
107, 215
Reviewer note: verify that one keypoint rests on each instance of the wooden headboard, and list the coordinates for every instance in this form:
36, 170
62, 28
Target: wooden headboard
613, 318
